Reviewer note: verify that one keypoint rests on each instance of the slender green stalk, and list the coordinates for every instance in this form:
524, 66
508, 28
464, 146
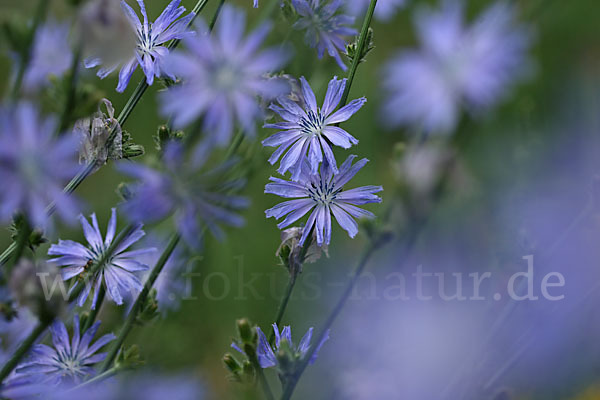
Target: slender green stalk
196, 10
362, 41
5, 256
43, 324
40, 14
139, 302
213, 21
261, 377
95, 311
364, 259
283, 305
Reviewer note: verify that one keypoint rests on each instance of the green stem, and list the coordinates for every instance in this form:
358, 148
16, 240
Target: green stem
5, 256
283, 305
362, 41
43, 324
40, 13
261, 377
364, 259
95, 311
196, 10
139, 302
213, 21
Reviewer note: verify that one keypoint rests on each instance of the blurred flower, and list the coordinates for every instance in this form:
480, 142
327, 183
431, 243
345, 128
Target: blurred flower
51, 54
106, 32
324, 29
69, 361
222, 76
323, 193
267, 357
118, 271
255, 3
94, 132
457, 65
149, 53
311, 131
197, 198
384, 11
34, 165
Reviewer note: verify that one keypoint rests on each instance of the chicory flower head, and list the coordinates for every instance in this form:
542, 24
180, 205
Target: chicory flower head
69, 361
118, 271
196, 197
150, 51
266, 353
324, 29
222, 75
457, 65
34, 165
51, 55
324, 194
311, 131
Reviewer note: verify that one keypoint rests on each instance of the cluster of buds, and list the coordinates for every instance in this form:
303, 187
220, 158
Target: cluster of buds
246, 343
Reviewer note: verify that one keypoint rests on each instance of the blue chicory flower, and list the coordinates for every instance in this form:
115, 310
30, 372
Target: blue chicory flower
457, 65
119, 271
324, 29
196, 197
50, 55
222, 76
324, 194
34, 165
266, 355
69, 361
150, 51
311, 131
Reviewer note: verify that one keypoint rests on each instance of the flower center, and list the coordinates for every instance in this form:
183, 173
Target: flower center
324, 193
313, 124
145, 41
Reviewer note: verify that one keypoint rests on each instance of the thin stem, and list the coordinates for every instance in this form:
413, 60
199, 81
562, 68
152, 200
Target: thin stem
364, 259
283, 305
95, 311
361, 45
261, 377
5, 256
133, 313
196, 10
43, 324
40, 13
213, 21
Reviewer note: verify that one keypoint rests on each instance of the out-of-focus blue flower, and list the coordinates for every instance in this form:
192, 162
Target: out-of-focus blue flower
312, 131
69, 361
222, 76
34, 165
197, 198
51, 54
118, 272
266, 355
324, 29
149, 53
385, 10
456, 65
255, 3
324, 194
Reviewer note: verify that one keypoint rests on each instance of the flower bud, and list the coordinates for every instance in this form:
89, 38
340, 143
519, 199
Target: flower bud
245, 330
231, 363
